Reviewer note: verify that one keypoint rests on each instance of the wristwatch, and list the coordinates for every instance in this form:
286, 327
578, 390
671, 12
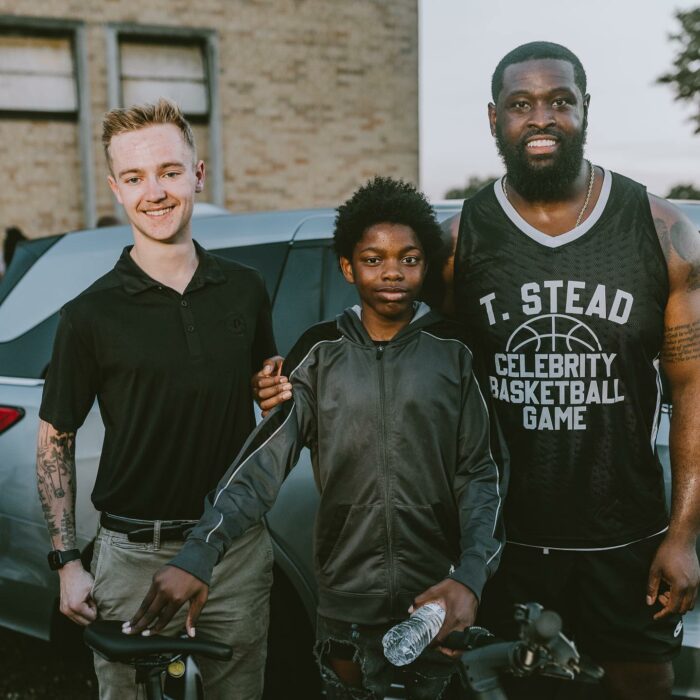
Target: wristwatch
59, 558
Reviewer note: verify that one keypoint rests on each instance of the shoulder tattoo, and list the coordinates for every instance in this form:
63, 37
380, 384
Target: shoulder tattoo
683, 240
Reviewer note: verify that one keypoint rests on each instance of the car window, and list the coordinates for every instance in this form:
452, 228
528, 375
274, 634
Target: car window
267, 259
28, 355
312, 289
26, 254
337, 293
297, 303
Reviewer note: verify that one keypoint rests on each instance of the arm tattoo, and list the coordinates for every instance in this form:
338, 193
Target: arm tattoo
684, 240
55, 470
682, 343
664, 236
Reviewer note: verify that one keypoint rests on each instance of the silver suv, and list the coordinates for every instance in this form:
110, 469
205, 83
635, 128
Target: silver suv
293, 251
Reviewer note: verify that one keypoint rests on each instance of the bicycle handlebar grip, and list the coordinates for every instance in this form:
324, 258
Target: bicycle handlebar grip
590, 670
545, 628
469, 638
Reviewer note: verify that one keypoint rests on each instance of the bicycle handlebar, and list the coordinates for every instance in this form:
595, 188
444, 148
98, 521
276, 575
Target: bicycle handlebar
541, 649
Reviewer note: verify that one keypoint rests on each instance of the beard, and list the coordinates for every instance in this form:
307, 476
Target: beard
544, 181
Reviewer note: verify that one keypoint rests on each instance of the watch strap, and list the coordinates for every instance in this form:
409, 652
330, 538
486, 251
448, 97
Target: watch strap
58, 558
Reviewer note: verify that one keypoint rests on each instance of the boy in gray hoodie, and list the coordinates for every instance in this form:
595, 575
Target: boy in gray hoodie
410, 494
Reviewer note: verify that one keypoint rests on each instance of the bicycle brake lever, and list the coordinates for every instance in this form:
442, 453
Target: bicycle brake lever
556, 671
589, 671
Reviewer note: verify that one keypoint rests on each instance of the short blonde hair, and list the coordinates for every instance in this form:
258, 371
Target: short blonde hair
163, 111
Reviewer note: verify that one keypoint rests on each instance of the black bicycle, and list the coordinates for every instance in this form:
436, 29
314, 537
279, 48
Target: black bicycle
164, 666
540, 650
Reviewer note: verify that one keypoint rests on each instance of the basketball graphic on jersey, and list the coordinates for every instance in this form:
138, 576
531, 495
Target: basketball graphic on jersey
554, 333
556, 368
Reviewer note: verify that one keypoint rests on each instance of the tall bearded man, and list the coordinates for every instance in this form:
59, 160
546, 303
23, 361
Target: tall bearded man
577, 286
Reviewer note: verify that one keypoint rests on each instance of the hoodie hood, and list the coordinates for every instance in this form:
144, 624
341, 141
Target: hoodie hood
350, 324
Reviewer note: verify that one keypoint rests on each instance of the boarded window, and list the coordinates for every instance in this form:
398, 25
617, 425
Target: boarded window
37, 74
177, 71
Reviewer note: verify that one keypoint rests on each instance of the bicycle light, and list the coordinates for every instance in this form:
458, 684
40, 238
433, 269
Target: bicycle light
176, 668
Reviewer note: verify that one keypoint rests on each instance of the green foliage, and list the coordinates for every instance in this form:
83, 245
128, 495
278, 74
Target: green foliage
474, 184
683, 191
685, 76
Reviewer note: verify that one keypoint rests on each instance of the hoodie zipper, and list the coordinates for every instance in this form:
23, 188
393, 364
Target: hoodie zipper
387, 481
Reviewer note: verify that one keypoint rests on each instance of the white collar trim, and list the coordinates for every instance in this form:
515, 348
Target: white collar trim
420, 309
563, 238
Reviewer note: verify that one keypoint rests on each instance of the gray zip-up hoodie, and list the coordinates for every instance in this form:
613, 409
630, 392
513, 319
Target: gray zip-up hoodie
400, 439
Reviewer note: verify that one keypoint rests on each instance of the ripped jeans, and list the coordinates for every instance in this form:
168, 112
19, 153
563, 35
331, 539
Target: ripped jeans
431, 676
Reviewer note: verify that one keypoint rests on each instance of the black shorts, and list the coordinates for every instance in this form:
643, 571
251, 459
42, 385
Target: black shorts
601, 596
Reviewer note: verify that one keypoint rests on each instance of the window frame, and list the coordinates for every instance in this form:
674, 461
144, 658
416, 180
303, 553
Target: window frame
74, 30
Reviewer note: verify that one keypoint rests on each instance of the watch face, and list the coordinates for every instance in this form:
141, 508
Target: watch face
54, 560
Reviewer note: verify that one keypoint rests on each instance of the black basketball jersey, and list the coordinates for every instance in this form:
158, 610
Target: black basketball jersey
570, 329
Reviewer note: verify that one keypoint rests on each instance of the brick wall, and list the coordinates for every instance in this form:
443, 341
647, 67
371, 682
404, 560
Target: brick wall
316, 96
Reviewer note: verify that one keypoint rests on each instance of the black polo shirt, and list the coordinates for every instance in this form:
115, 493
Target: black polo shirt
171, 374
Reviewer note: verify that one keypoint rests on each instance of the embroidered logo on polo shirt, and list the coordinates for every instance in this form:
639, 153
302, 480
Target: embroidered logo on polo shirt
236, 324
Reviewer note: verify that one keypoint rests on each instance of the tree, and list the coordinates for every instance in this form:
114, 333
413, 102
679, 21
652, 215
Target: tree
685, 76
683, 191
474, 184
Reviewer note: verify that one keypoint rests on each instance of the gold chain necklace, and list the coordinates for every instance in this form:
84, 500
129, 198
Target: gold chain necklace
591, 180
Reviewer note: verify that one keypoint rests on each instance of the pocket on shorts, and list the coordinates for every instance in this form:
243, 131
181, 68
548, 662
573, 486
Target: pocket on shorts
119, 540
123, 575
95, 568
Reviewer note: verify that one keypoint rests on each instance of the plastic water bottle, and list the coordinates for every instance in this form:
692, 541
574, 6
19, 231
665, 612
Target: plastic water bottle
404, 642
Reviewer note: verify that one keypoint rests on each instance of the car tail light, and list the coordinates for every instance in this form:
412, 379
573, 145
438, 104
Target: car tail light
9, 415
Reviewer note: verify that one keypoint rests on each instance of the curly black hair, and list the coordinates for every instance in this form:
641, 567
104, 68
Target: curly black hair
386, 200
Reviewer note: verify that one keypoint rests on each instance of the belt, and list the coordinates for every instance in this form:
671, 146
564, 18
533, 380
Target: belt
155, 531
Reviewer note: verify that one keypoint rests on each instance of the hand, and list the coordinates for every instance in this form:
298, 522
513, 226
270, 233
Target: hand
270, 388
76, 593
460, 606
676, 563
170, 589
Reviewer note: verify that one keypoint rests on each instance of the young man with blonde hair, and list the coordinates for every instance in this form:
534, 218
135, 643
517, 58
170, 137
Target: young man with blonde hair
166, 342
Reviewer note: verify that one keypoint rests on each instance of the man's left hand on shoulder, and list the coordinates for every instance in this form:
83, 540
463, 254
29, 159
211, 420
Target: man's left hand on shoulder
170, 590
460, 605
675, 564
269, 387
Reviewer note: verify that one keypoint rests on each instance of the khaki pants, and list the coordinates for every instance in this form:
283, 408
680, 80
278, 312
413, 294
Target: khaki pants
237, 611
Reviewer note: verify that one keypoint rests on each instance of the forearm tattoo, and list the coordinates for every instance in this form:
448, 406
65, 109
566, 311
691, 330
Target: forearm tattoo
682, 238
682, 343
55, 468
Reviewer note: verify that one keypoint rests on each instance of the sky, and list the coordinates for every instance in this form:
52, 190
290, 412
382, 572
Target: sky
635, 126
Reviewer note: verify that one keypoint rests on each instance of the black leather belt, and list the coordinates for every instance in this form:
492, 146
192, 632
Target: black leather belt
155, 531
